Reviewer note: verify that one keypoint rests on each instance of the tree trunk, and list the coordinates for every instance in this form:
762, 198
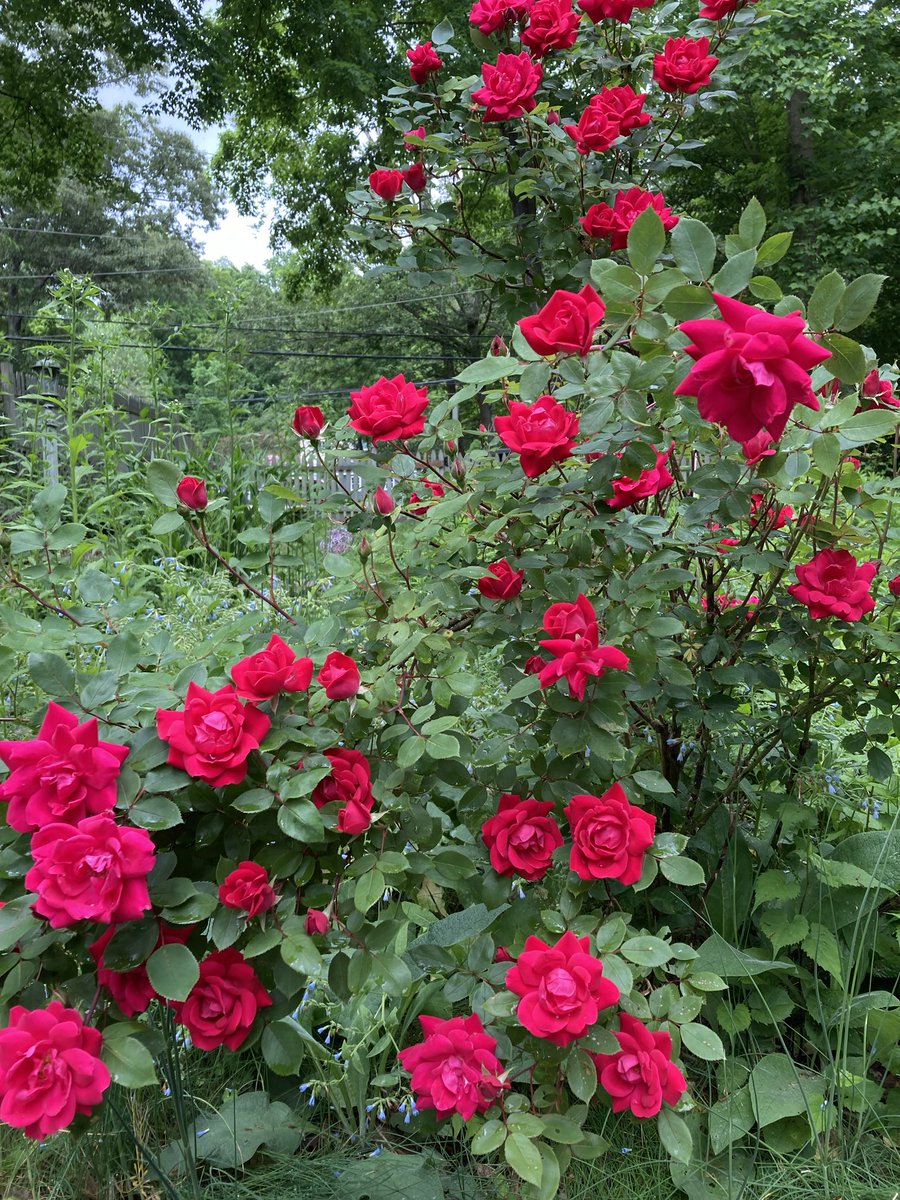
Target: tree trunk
800, 149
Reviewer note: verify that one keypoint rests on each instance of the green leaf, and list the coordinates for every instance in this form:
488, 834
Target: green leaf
646, 951
823, 303
52, 674
534, 382
173, 971
301, 821
490, 370
730, 1119
826, 452
778, 1089
847, 362
734, 275
881, 767
782, 929
47, 504
775, 885
867, 427
675, 1134
237, 1131
411, 750
858, 301
717, 956
369, 889
689, 301
154, 813
764, 287
694, 248
341, 566
581, 1074
524, 1158
441, 34
822, 947
298, 950
286, 1044
460, 926
442, 745
162, 479
773, 249
703, 1042
646, 241
168, 522
130, 1064
561, 1129
683, 871
752, 225
489, 1137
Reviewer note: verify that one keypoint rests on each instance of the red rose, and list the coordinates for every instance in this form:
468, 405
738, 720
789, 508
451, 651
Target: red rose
247, 889
541, 434
94, 870
415, 135
423, 61
222, 1005
64, 774
350, 785
772, 518
509, 86
386, 184
685, 65
651, 481
567, 620
833, 584
894, 586
388, 409
879, 391
437, 492
577, 655
726, 543
641, 1075
562, 988
132, 989
552, 26
601, 221
501, 954
612, 113
50, 1069
534, 665
503, 583
455, 1069
493, 15
757, 448
615, 10
317, 922
339, 676
750, 368
384, 502
213, 735
192, 493
717, 10
566, 324
308, 422
276, 669
414, 177
609, 836
521, 837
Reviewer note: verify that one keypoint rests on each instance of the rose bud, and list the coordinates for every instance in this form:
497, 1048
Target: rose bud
894, 586
191, 492
365, 549
384, 502
501, 954
498, 347
317, 922
308, 422
552, 117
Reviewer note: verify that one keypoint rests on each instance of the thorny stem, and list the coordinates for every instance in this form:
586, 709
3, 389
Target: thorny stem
199, 533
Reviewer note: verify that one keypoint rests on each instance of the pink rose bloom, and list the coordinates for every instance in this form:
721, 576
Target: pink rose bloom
750, 368
612, 10
718, 10
609, 836
833, 584
64, 774
541, 434
212, 737
50, 1069
521, 837
132, 989
350, 786
566, 324
247, 889
509, 86
95, 870
455, 1069
641, 1075
651, 481
601, 221
339, 676
493, 15
577, 654
562, 988
263, 675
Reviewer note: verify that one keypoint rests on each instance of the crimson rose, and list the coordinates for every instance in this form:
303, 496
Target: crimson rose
493, 15
503, 583
64, 774
615, 10
222, 1005
213, 735
614, 223
612, 113
386, 184
350, 785
541, 433
552, 26
641, 1075
509, 86
521, 837
339, 676
878, 391
317, 922
650, 482
414, 177
566, 324
562, 988
455, 1069
609, 836
247, 889
50, 1069
570, 620
423, 61
308, 422
833, 584
685, 65
276, 669
388, 409
717, 10
772, 518
191, 492
894, 586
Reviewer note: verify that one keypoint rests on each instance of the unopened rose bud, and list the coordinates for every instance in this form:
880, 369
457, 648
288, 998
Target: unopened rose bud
308, 421
499, 347
384, 502
317, 922
191, 492
501, 954
552, 117
894, 586
364, 548
451, 446
459, 466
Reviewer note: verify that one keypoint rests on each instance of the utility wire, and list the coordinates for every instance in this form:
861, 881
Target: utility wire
355, 333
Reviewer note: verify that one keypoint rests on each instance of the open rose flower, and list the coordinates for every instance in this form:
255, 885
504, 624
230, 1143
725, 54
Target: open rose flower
612, 10
93, 871
339, 676
562, 988
191, 493
566, 324
64, 774
308, 422
247, 889
414, 177
416, 505
386, 184
879, 392
389, 409
641, 1075
490, 16
577, 654
614, 112
718, 10
132, 989
552, 26
685, 65
541, 434
833, 584
223, 1003
571, 620
521, 837
213, 735
603, 221
50, 1069
509, 86
503, 582
276, 669
771, 517
609, 836
350, 786
750, 368
651, 481
455, 1069
423, 61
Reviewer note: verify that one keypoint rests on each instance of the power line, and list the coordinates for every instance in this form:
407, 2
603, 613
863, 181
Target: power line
108, 274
